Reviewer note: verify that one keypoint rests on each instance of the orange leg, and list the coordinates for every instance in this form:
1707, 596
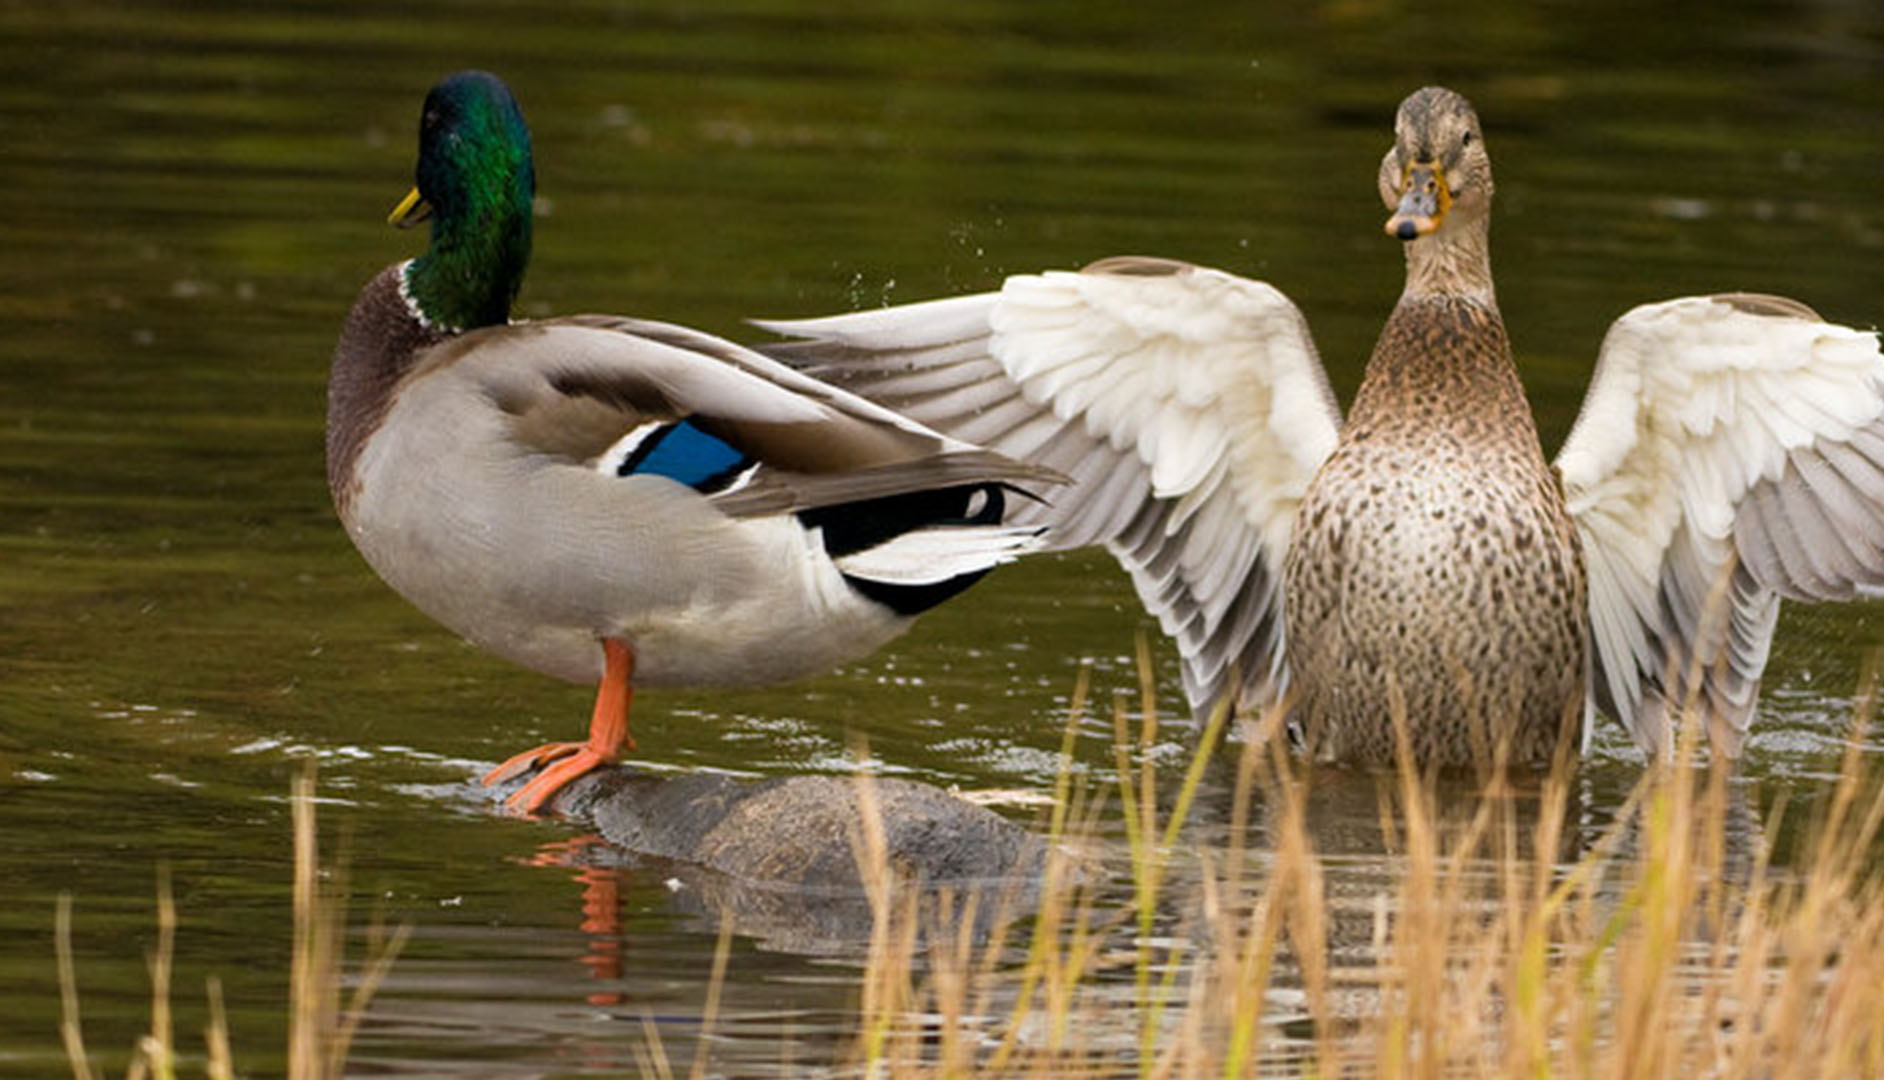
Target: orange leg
563, 762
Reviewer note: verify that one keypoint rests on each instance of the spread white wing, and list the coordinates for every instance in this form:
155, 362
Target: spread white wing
1730, 452
1187, 405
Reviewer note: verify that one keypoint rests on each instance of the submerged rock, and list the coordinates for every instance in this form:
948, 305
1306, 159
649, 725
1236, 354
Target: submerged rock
781, 856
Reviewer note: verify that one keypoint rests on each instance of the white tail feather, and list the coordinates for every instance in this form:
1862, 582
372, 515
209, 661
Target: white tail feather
930, 556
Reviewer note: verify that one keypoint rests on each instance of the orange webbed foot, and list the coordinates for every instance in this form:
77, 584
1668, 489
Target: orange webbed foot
542, 787
529, 761
562, 763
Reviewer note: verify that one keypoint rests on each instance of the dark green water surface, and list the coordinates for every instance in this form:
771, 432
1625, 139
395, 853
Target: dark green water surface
193, 196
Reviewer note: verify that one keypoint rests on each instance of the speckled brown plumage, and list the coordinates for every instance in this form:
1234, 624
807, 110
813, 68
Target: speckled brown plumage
1434, 570
1434, 559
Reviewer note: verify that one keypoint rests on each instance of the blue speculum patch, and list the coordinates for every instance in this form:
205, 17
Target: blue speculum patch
685, 454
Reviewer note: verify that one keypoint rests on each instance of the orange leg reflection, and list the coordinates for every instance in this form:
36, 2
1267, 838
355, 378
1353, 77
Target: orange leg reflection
601, 909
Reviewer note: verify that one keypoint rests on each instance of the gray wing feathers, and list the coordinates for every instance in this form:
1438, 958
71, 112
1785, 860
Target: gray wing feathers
1230, 638
1730, 453
1817, 532
1132, 379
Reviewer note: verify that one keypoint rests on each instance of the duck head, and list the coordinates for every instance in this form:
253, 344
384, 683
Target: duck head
475, 182
1437, 174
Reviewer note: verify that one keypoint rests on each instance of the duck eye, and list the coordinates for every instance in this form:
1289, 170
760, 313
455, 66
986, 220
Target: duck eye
1467, 141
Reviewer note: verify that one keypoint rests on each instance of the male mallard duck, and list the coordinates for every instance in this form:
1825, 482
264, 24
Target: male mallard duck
607, 498
1422, 559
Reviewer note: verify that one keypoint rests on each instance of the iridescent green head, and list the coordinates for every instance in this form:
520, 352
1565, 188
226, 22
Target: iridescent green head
475, 184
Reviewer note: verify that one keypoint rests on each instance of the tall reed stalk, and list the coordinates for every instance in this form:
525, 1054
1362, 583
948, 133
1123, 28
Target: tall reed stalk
320, 1029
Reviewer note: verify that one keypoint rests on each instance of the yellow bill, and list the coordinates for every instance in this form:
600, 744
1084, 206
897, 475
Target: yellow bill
411, 210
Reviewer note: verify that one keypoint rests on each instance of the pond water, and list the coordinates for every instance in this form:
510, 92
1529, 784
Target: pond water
194, 196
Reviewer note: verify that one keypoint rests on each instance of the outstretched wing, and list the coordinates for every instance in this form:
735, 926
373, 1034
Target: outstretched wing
1730, 452
1187, 406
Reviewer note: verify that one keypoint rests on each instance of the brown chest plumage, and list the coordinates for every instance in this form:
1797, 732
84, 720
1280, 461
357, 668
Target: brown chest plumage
378, 345
1434, 571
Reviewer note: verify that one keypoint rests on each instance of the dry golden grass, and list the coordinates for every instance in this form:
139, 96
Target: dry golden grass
1659, 951
320, 1028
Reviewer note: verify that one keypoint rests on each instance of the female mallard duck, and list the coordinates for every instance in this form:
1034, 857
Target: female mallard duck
606, 498
1423, 560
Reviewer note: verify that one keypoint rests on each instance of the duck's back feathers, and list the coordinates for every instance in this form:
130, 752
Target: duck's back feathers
576, 387
1730, 452
1187, 405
